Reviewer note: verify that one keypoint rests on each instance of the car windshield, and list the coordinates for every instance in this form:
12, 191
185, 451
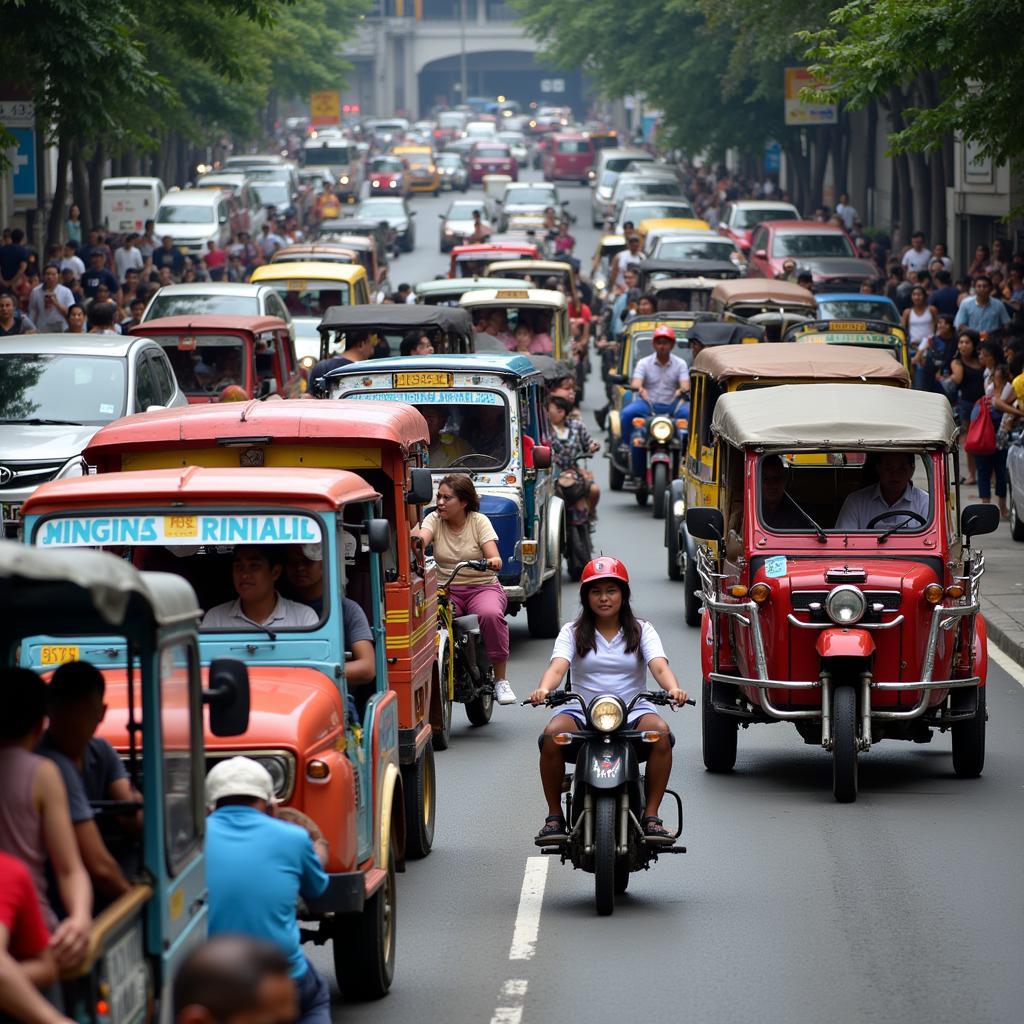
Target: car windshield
490, 152
529, 196
388, 164
375, 209
857, 309
175, 213
62, 388
449, 160
751, 218
271, 193
462, 211
694, 249
823, 245
450, 120
464, 435
328, 154
573, 146
620, 163
654, 188
193, 305
511, 138
311, 298
637, 212
272, 173
205, 364
877, 492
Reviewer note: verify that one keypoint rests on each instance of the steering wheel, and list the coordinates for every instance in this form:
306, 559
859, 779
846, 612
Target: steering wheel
906, 512
468, 455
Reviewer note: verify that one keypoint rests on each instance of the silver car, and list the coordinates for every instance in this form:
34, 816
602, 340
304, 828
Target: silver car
457, 222
1015, 485
58, 390
225, 297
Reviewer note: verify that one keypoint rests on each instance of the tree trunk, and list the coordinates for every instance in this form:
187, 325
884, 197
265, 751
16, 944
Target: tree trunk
97, 163
55, 227
80, 187
921, 193
822, 139
797, 164
937, 227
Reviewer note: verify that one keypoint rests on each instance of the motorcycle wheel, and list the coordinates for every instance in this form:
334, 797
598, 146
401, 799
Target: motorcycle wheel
641, 497
616, 478
441, 714
604, 853
844, 744
691, 602
579, 550
659, 489
419, 786
718, 734
480, 709
969, 739
672, 541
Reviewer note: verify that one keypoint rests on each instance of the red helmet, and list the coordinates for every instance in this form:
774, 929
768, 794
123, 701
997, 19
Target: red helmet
664, 331
604, 568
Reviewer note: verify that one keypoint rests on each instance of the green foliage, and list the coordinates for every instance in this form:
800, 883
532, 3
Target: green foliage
872, 46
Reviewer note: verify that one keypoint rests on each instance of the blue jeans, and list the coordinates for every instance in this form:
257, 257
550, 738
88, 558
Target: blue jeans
314, 997
638, 407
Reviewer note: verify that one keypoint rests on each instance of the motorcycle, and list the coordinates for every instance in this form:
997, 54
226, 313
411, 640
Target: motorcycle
663, 436
572, 486
606, 795
465, 670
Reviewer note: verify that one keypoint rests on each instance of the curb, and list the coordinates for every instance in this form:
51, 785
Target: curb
1010, 647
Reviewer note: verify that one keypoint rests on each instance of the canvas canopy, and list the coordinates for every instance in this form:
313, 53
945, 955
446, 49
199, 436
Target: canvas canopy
773, 361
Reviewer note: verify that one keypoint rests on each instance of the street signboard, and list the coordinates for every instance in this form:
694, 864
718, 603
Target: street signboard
17, 113
799, 113
23, 162
552, 85
324, 108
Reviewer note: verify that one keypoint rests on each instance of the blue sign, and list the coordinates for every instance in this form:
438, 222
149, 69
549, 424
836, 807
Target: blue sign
24, 162
772, 158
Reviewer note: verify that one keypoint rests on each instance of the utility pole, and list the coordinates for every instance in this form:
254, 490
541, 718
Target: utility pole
462, 52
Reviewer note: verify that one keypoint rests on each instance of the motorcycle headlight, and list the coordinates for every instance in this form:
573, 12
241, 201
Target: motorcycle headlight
845, 605
607, 713
661, 429
344, 179
600, 284
307, 362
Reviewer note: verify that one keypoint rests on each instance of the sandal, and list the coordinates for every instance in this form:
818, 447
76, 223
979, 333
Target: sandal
553, 830
654, 828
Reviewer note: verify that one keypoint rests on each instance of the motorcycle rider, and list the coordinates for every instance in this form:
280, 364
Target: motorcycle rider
570, 442
610, 651
661, 381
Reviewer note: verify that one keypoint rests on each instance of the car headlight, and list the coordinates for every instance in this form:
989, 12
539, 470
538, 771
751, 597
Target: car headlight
607, 713
392, 184
282, 772
845, 605
448, 231
344, 179
661, 429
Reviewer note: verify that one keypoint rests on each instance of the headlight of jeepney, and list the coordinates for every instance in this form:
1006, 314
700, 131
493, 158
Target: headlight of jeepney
307, 362
600, 284
845, 605
607, 713
661, 429
344, 179
282, 771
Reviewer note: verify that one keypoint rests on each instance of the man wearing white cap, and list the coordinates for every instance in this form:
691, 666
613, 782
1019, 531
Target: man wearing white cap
281, 862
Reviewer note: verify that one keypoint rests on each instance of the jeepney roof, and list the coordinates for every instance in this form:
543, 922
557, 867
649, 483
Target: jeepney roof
494, 248
755, 289
517, 296
781, 360
397, 316
551, 266
309, 270
481, 362
320, 422
329, 488
210, 323
722, 269
837, 416
459, 285
89, 592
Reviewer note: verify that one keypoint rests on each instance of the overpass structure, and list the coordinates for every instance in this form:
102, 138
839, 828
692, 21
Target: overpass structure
408, 58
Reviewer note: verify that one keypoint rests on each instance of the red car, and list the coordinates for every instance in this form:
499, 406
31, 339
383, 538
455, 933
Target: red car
491, 158
823, 249
568, 155
388, 176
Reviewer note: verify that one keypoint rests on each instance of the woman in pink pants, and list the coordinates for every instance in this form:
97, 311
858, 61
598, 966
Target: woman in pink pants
459, 532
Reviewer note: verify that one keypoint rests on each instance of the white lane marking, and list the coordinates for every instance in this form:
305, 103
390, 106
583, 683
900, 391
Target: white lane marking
1006, 663
507, 1015
514, 988
524, 937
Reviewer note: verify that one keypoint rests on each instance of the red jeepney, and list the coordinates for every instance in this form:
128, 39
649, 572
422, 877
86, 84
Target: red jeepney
569, 155
471, 260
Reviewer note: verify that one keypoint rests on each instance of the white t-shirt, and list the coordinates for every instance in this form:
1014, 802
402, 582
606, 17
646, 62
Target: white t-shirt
609, 669
286, 615
914, 260
125, 260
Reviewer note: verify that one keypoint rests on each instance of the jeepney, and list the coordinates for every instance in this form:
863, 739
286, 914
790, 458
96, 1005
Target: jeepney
472, 259
698, 277
720, 371
775, 305
447, 291
486, 419
212, 352
543, 311
87, 600
853, 624
539, 273
607, 249
861, 333
331, 749
386, 445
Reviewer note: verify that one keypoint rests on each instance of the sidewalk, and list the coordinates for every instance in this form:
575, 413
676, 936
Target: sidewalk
1002, 591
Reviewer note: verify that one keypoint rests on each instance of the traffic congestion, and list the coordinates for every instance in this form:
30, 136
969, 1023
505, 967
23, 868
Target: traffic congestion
410, 530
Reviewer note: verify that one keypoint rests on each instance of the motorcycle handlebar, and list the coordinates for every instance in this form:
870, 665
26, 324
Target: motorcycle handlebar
559, 697
479, 564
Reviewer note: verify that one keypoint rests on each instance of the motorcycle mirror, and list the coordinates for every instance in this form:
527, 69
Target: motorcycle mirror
541, 456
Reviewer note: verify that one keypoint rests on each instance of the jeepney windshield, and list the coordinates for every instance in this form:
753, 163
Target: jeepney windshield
880, 493
311, 298
205, 364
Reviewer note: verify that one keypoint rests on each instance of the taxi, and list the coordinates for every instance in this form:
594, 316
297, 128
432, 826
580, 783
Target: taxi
472, 259
91, 599
330, 746
851, 616
213, 352
486, 418
423, 173
775, 305
545, 313
719, 371
861, 333
668, 225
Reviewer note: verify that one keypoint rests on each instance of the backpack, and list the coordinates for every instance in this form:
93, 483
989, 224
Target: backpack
981, 434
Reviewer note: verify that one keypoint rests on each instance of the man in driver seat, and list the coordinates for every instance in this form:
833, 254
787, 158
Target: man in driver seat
894, 498
255, 571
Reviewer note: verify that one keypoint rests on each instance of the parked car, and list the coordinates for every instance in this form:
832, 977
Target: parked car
453, 171
59, 389
221, 297
738, 219
823, 249
193, 218
491, 158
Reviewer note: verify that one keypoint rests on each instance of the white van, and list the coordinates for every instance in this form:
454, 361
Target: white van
194, 216
127, 203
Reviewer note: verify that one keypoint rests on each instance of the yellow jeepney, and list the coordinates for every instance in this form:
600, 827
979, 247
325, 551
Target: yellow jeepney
861, 333
544, 312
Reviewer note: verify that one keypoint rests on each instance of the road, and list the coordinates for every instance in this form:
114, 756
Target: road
907, 905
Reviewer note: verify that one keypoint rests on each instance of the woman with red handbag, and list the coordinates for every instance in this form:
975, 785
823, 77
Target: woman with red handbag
968, 377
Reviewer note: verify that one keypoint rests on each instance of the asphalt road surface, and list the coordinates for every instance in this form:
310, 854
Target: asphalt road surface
905, 906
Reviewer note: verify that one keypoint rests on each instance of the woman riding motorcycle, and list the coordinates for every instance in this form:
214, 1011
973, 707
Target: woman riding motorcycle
609, 651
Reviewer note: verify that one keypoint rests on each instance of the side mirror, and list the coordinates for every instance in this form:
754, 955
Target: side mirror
228, 697
760, 254
421, 488
541, 456
705, 523
978, 519
378, 535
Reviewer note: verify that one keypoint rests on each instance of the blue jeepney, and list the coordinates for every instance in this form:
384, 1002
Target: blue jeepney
86, 598
486, 418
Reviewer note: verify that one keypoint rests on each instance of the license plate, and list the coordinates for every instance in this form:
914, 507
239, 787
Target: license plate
426, 379
181, 526
847, 325
125, 971
59, 654
296, 286
10, 511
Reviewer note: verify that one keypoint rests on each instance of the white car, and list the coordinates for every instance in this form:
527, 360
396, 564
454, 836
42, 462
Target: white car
193, 218
516, 142
217, 297
457, 222
528, 198
697, 245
